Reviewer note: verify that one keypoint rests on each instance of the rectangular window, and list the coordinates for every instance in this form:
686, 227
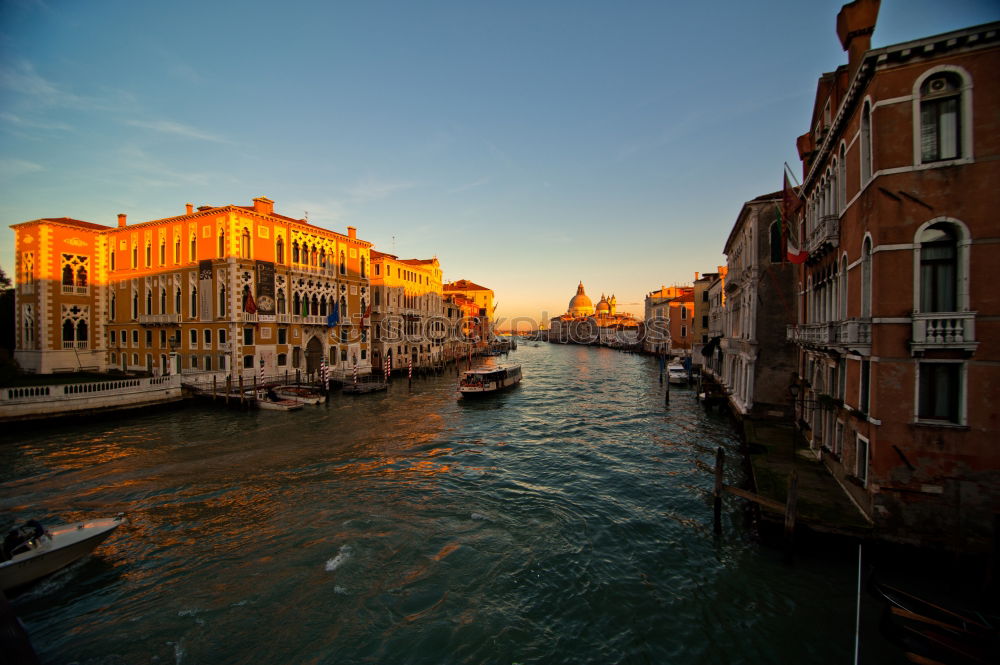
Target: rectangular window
163, 338
149, 338
194, 362
124, 337
939, 129
194, 338
282, 335
208, 363
208, 337
222, 335
135, 338
940, 391
247, 362
248, 337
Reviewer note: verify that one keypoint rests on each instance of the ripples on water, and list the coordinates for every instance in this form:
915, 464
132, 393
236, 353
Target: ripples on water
565, 521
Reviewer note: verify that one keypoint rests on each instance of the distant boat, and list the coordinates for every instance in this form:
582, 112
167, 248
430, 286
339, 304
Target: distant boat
278, 404
484, 380
31, 552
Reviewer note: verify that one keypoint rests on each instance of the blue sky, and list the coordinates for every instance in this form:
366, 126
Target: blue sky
527, 145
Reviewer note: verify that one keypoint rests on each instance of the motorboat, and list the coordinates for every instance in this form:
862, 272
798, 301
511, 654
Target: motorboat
482, 380
299, 394
268, 404
31, 551
677, 374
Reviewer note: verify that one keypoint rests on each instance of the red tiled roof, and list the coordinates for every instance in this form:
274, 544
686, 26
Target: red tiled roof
464, 285
74, 222
416, 262
381, 255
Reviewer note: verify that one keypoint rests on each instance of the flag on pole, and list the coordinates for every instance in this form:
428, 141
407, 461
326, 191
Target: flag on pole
334, 316
788, 217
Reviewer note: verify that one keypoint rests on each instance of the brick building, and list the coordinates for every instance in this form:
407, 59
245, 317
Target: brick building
899, 323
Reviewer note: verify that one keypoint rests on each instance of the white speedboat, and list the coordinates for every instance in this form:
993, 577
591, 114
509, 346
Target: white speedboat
489, 379
676, 374
299, 394
36, 552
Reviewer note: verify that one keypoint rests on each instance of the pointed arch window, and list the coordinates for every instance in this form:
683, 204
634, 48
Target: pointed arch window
364, 268
163, 300
163, 251
67, 275
113, 309
177, 301
194, 248
222, 301
281, 307
177, 249
222, 243
343, 263
194, 303
842, 180
149, 255
245, 244
135, 305
279, 250
322, 258
295, 251
149, 301
843, 288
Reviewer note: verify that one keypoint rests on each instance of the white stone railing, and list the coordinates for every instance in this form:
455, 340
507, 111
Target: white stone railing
827, 230
146, 319
944, 330
65, 391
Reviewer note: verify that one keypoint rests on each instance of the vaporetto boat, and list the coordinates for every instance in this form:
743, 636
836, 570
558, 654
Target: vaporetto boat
484, 380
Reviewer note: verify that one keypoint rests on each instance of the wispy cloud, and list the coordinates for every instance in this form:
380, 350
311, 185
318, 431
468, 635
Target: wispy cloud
177, 129
373, 189
137, 167
11, 168
471, 185
21, 79
31, 123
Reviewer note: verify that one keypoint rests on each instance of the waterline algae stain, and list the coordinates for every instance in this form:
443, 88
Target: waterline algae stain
565, 521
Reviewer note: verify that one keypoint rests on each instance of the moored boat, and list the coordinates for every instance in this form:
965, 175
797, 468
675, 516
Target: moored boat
299, 394
268, 404
677, 374
31, 552
484, 380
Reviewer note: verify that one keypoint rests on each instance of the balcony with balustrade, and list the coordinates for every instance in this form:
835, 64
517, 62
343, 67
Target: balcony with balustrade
824, 236
943, 330
851, 334
159, 319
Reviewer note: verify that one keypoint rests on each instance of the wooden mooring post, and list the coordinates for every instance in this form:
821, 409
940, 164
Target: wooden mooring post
793, 497
242, 394
229, 387
214, 388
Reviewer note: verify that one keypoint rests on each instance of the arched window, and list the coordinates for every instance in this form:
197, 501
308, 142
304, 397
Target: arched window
194, 302
177, 249
279, 250
866, 279
939, 269
222, 300
163, 300
135, 305
313, 256
68, 334
112, 258
81, 276
67, 275
314, 310
343, 263
177, 301
364, 268
343, 310
775, 238
842, 179
112, 310
149, 301
940, 117
81, 333
281, 302
245, 244
194, 248
222, 243
866, 144
322, 258
843, 288
149, 255
135, 256
296, 304
322, 306
295, 251
163, 251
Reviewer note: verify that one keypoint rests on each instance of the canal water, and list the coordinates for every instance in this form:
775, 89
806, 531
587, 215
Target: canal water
568, 520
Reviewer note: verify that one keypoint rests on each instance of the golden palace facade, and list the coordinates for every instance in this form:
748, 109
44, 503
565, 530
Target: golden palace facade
232, 289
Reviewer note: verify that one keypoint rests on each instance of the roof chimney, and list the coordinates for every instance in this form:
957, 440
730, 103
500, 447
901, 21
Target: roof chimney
188, 208
352, 232
263, 205
121, 219
855, 25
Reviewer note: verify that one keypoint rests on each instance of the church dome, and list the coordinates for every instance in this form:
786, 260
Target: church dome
580, 304
603, 307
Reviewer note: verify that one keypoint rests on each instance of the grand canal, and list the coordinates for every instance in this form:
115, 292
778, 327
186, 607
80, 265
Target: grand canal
566, 521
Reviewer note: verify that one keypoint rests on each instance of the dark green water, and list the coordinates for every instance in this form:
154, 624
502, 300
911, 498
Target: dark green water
565, 521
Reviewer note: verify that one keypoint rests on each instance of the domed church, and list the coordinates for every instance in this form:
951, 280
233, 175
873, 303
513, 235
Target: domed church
585, 324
